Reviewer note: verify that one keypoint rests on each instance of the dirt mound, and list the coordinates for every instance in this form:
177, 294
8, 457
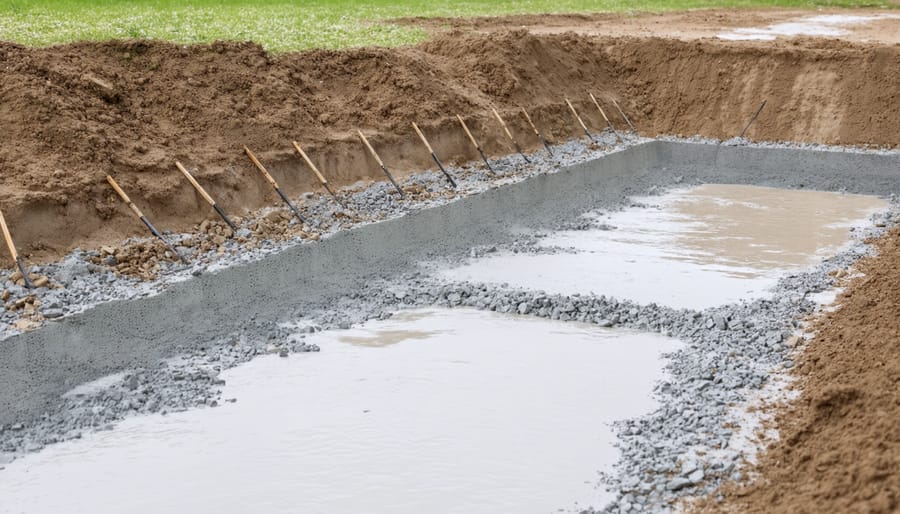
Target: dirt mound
74, 113
840, 441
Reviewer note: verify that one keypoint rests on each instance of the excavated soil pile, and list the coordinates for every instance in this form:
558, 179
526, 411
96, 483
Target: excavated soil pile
839, 448
71, 114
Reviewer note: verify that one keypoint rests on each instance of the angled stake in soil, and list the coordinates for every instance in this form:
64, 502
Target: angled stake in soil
475, 143
509, 134
380, 163
763, 104
13, 253
624, 117
265, 173
434, 155
318, 174
140, 215
608, 123
578, 119
536, 131
205, 195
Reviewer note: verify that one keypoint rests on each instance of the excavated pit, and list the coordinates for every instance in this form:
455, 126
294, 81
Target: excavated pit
37, 367
421, 387
712, 191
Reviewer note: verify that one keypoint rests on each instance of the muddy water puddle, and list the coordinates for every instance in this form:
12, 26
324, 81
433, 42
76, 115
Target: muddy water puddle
452, 411
693, 248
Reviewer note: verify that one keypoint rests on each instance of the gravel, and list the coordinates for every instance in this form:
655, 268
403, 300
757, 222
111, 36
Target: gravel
688, 446
83, 285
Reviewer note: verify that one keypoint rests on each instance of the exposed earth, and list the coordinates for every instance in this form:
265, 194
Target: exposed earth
75, 113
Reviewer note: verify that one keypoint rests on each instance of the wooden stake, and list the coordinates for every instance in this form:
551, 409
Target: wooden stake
140, 215
317, 172
271, 180
578, 118
608, 123
475, 143
536, 132
624, 117
434, 155
509, 134
205, 195
380, 162
763, 104
12, 252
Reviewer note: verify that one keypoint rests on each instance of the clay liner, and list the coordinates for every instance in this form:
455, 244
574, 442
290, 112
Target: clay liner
37, 367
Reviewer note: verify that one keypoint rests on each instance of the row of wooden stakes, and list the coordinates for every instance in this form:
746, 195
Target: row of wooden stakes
321, 178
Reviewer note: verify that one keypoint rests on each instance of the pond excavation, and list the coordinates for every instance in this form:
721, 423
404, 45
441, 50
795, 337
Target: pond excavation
643, 299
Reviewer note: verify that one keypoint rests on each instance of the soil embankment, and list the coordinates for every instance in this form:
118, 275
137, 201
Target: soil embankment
839, 446
72, 114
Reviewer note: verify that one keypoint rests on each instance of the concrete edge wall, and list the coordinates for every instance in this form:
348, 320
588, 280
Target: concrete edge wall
35, 368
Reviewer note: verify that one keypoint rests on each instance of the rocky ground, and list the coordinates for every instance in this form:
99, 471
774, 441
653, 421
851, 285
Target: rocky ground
690, 446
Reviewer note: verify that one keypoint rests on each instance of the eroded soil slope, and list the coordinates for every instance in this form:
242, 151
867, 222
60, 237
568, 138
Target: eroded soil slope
74, 113
839, 447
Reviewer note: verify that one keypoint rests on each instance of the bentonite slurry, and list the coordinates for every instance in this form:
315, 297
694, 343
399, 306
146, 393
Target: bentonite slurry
217, 320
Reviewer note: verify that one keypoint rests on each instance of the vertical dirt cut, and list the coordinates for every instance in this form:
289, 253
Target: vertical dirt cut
73, 113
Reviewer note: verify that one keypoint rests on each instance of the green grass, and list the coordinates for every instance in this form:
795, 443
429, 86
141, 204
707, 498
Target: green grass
282, 25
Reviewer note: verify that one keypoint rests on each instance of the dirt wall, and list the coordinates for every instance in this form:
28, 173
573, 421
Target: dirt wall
839, 445
72, 114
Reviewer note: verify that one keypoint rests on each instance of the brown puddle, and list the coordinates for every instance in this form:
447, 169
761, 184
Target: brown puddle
695, 248
767, 228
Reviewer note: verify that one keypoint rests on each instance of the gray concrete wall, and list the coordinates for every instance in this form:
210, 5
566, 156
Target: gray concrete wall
35, 368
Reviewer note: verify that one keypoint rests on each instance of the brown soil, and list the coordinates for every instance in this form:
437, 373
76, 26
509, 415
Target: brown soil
72, 114
685, 25
839, 446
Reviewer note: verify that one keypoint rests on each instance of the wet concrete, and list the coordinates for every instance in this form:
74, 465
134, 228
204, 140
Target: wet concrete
36, 368
431, 411
691, 248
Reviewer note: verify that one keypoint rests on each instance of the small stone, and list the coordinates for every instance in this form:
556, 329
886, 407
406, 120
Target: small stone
132, 382
696, 476
678, 483
688, 467
53, 313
